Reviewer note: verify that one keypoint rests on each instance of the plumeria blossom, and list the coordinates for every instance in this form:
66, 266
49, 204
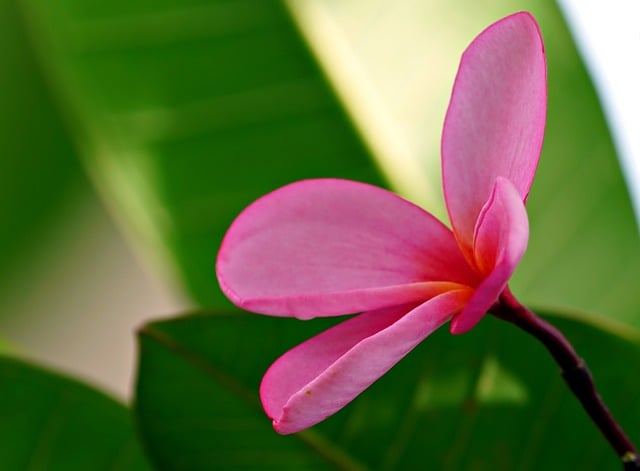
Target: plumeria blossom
330, 247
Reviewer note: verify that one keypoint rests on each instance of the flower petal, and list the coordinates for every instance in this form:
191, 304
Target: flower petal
320, 376
500, 242
495, 122
329, 247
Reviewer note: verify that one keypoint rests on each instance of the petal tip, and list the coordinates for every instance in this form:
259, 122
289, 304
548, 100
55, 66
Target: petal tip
279, 428
462, 324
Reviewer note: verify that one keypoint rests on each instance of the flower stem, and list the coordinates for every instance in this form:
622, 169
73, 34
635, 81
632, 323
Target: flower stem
574, 372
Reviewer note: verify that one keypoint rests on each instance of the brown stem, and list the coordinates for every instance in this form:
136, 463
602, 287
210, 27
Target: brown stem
574, 372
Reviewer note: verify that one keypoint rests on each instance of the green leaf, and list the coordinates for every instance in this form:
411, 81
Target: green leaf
5, 346
51, 422
39, 171
214, 418
188, 111
489, 400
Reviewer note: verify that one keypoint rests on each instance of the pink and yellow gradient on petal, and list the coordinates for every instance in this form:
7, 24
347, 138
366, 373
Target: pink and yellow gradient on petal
331, 247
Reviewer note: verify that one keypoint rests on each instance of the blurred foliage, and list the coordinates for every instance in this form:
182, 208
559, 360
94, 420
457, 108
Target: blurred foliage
39, 170
584, 249
190, 110
187, 111
53, 423
488, 400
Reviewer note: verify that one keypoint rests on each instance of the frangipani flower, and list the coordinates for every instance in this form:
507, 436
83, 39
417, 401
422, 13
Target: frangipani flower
331, 247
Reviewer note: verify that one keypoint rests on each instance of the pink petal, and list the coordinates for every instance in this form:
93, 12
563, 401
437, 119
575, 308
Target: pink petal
328, 247
495, 121
320, 376
500, 242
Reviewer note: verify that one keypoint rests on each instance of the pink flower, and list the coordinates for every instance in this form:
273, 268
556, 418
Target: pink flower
330, 247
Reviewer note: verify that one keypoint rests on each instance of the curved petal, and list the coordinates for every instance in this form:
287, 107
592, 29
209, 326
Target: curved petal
500, 242
320, 376
495, 122
329, 247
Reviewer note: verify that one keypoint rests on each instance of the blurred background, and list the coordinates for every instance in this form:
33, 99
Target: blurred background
132, 133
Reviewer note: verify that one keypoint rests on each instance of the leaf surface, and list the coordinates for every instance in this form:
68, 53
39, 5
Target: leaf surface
39, 171
188, 111
48, 421
488, 400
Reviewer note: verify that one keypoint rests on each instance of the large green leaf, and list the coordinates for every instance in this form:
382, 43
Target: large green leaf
49, 422
188, 111
39, 171
488, 400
